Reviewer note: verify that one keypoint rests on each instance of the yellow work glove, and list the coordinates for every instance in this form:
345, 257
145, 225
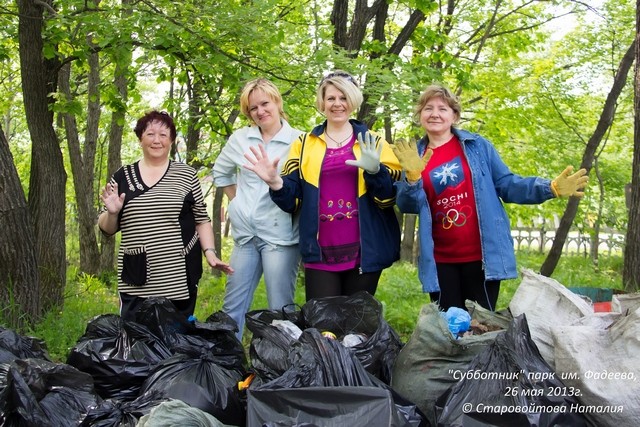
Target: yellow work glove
411, 162
566, 185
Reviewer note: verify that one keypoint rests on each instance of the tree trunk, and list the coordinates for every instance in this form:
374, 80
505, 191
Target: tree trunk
631, 270
48, 177
216, 223
408, 237
606, 118
116, 130
19, 278
82, 163
114, 161
595, 234
193, 122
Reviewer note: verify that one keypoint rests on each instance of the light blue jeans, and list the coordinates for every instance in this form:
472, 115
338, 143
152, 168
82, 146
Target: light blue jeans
280, 267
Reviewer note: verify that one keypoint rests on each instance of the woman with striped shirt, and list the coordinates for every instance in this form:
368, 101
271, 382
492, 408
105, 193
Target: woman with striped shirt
158, 207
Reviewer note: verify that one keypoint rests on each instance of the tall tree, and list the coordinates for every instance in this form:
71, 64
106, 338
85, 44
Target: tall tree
631, 271
116, 131
116, 99
46, 198
606, 118
19, 280
82, 157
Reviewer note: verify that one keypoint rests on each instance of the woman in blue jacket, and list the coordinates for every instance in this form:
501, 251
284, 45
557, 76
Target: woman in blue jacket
456, 182
338, 179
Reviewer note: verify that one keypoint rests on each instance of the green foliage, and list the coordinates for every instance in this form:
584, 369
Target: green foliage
400, 293
531, 96
535, 96
85, 297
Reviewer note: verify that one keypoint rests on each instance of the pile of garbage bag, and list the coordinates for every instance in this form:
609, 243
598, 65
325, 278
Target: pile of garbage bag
162, 366
307, 357
119, 371
549, 360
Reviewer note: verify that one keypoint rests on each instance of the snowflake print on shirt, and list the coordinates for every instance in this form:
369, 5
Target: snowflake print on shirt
449, 175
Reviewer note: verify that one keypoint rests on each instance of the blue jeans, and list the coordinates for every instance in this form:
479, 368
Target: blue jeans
280, 267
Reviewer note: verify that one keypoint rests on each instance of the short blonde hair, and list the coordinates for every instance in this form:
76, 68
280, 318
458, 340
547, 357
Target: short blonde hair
345, 83
268, 88
437, 91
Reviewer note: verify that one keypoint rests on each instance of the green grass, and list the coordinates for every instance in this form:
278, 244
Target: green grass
399, 292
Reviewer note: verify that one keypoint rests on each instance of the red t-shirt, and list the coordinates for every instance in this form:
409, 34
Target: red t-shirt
448, 184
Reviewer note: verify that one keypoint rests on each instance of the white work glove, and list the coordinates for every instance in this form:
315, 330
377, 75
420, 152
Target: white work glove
370, 154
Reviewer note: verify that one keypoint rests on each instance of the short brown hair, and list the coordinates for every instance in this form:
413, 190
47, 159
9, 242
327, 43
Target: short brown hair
437, 91
155, 116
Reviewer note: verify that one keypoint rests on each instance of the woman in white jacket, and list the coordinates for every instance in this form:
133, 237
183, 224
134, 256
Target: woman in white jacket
265, 237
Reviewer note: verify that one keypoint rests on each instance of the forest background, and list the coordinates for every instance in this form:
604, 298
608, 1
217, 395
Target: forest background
550, 83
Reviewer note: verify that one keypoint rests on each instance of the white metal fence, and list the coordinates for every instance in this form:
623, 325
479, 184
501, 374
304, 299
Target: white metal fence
610, 242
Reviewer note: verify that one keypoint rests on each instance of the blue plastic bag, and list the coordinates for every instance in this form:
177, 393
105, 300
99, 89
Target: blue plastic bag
458, 320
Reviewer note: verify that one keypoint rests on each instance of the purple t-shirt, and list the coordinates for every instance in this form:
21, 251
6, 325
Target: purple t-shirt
339, 229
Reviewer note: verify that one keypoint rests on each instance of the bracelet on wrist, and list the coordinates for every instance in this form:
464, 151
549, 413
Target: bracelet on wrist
205, 250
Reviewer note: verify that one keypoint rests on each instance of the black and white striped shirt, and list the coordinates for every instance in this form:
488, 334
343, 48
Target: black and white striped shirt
159, 245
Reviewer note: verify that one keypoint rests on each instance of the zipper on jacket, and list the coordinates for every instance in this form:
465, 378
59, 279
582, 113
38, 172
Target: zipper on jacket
318, 201
358, 201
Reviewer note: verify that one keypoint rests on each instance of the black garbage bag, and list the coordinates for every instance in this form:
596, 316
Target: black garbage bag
44, 393
359, 314
270, 345
114, 413
184, 336
201, 383
15, 346
323, 406
509, 384
118, 354
160, 316
4, 370
222, 321
215, 339
317, 361
320, 362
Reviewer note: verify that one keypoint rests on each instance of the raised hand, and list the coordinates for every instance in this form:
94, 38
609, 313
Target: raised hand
111, 199
411, 162
370, 154
566, 185
266, 169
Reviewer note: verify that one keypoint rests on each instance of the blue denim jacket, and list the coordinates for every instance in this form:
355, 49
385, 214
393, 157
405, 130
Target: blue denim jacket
493, 183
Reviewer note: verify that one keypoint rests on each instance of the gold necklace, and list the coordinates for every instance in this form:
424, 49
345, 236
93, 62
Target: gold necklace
339, 143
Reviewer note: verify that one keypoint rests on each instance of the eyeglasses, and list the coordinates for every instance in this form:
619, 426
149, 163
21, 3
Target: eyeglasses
339, 74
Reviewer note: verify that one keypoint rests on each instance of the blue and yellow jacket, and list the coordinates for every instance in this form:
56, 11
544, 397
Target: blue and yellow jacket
379, 229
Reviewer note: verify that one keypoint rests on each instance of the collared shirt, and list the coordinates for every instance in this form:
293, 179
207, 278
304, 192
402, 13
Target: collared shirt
252, 212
